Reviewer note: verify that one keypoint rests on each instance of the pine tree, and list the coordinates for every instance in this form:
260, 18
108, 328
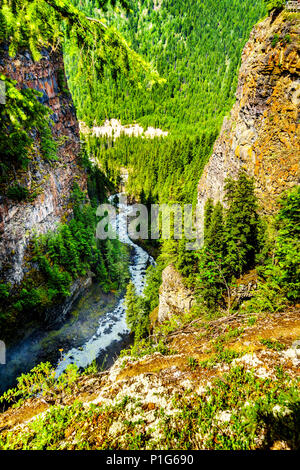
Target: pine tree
241, 227
131, 305
214, 231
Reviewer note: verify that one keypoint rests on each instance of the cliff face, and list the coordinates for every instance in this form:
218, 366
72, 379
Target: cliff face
174, 297
262, 133
52, 182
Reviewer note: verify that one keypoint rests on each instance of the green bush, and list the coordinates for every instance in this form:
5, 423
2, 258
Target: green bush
17, 193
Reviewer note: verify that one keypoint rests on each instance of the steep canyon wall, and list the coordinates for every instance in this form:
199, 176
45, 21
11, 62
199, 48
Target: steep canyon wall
262, 134
51, 182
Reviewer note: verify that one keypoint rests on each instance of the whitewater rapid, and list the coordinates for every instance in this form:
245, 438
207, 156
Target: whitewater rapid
112, 325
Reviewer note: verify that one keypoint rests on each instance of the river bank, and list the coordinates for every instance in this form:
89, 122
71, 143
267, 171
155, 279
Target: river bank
94, 329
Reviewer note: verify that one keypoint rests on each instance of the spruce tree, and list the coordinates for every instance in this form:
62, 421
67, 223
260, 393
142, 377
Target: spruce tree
214, 237
241, 227
212, 279
131, 305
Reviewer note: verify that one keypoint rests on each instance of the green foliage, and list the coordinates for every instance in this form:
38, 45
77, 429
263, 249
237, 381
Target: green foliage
136, 315
236, 240
241, 227
48, 145
280, 272
211, 280
152, 284
145, 347
35, 24
232, 393
22, 113
138, 308
63, 256
273, 344
268, 297
195, 46
38, 24
230, 242
176, 322
275, 4
287, 250
192, 363
275, 40
161, 169
73, 250
17, 192
4, 291
249, 404
224, 356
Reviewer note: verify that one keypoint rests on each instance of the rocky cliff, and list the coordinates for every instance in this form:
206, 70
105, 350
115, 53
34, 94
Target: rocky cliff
174, 296
261, 135
50, 182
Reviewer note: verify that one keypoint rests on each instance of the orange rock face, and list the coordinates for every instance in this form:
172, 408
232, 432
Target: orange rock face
262, 133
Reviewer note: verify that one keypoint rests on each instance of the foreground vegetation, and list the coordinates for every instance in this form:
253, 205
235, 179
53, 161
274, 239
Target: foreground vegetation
60, 258
230, 401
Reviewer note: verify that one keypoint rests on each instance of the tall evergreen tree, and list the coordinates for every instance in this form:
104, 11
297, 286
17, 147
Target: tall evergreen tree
241, 227
214, 238
287, 251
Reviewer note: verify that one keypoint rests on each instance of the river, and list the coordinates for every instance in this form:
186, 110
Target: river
95, 328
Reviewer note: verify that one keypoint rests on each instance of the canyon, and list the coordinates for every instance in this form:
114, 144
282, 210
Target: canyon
153, 396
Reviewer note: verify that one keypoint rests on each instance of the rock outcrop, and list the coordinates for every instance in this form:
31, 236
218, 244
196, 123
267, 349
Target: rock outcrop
174, 296
262, 133
51, 182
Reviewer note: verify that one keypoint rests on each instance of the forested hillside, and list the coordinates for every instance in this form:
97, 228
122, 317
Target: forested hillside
196, 46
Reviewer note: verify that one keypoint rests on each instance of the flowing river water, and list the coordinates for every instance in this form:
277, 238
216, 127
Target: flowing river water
95, 328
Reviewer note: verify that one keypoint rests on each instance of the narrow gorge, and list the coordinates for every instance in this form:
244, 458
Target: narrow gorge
126, 342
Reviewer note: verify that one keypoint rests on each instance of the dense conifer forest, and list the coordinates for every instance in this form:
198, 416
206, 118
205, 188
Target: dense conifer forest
196, 47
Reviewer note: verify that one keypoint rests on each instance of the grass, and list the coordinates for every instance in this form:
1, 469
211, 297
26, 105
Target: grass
146, 347
258, 413
192, 363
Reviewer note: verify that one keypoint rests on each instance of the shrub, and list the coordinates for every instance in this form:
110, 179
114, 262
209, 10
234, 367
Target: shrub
17, 193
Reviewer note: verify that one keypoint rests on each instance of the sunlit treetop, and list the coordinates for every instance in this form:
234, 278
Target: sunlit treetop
46, 23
